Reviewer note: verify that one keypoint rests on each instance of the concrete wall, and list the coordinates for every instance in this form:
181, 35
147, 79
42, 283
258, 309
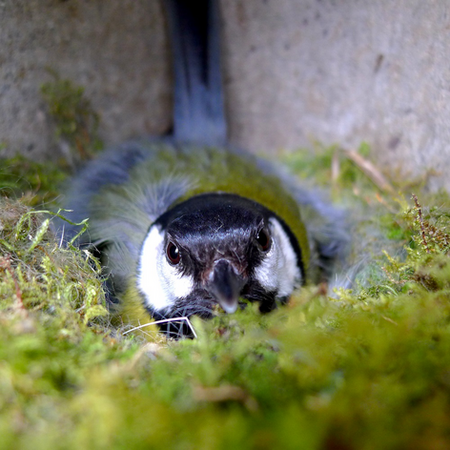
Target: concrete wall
116, 49
343, 71
296, 71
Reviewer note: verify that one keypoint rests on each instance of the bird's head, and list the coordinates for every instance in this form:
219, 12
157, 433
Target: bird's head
214, 249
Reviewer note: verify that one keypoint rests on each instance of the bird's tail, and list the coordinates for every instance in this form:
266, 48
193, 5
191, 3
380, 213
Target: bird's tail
198, 103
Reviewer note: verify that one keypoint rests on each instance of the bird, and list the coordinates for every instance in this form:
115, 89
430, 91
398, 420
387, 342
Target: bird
187, 225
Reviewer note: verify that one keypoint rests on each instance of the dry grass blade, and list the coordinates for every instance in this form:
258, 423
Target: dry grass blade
370, 170
225, 393
160, 322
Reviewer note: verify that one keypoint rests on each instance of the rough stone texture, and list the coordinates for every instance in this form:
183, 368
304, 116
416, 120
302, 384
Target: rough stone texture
116, 49
342, 72
296, 71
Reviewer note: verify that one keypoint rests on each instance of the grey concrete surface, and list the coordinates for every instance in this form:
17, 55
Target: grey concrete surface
343, 71
295, 71
116, 49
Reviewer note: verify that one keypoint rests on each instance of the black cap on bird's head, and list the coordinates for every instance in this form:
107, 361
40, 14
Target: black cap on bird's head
214, 249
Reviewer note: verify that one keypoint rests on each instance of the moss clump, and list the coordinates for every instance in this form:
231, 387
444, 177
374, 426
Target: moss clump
367, 369
40, 275
76, 121
36, 181
53, 324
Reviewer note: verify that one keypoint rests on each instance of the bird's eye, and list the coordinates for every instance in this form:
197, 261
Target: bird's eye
173, 254
263, 240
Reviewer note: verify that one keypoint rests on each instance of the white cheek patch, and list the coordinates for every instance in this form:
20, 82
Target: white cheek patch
279, 269
160, 282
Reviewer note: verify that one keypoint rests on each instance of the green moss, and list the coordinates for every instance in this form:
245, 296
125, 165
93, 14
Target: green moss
366, 369
342, 170
76, 120
38, 182
38, 273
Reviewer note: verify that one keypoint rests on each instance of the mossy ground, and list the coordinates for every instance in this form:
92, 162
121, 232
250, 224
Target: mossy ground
368, 369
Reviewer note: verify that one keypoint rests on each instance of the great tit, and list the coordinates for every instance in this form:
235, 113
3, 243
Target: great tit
185, 224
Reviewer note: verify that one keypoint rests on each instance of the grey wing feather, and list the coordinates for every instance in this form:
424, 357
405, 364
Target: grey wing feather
126, 206
110, 168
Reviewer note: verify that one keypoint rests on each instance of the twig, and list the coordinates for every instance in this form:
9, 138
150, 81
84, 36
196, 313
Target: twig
422, 228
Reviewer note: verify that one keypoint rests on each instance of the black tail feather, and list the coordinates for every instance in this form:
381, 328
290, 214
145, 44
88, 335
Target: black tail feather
199, 107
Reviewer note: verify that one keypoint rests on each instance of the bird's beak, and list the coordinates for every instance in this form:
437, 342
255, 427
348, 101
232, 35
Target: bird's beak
225, 284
